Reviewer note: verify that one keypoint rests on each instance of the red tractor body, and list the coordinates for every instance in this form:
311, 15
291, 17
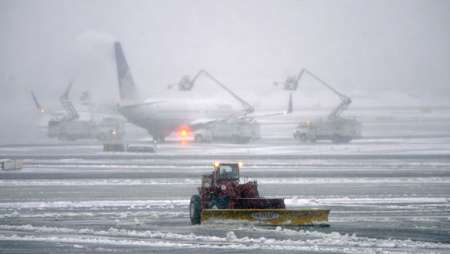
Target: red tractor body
223, 190
223, 197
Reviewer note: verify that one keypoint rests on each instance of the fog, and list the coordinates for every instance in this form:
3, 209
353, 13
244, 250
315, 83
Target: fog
364, 168
380, 53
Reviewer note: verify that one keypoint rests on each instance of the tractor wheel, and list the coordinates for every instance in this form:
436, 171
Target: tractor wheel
195, 209
159, 139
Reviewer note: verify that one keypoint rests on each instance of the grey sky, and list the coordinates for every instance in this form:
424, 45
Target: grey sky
361, 46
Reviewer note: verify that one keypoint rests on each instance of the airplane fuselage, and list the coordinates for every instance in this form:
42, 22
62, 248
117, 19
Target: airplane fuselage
162, 117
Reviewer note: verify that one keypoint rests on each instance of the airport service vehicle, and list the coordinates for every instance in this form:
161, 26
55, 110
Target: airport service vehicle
222, 197
241, 130
335, 127
120, 146
104, 130
67, 125
8, 164
338, 130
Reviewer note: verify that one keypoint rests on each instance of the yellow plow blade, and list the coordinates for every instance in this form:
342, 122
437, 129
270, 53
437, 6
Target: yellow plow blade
267, 216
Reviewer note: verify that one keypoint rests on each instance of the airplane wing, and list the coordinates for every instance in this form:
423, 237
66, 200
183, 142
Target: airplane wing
289, 110
138, 104
197, 123
204, 121
254, 116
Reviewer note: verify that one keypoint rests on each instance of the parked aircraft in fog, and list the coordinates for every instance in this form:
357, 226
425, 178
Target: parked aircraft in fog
162, 116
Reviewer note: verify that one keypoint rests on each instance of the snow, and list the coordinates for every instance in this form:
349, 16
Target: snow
196, 182
388, 193
333, 241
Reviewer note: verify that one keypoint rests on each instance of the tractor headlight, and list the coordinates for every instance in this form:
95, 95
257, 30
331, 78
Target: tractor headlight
223, 187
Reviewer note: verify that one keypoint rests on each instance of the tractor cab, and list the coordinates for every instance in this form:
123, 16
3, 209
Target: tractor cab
222, 172
226, 172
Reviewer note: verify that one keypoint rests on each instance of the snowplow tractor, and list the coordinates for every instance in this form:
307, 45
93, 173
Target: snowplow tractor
222, 197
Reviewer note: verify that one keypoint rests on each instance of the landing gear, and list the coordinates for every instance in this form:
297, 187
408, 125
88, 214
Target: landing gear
199, 138
159, 139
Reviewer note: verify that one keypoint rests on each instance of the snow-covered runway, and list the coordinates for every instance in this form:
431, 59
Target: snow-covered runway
386, 195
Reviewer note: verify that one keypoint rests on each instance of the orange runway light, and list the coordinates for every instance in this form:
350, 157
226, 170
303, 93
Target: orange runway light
184, 132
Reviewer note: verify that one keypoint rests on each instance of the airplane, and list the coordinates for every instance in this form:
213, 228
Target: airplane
163, 116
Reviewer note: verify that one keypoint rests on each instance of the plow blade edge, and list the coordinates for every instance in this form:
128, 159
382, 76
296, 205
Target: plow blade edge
267, 216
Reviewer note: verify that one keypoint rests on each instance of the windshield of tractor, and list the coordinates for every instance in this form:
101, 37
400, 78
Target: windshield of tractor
228, 171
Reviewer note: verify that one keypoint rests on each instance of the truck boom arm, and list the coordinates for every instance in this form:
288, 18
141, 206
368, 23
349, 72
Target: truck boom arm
68, 106
345, 100
187, 84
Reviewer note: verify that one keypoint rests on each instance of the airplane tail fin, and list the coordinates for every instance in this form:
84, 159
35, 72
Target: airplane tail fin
36, 102
127, 88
